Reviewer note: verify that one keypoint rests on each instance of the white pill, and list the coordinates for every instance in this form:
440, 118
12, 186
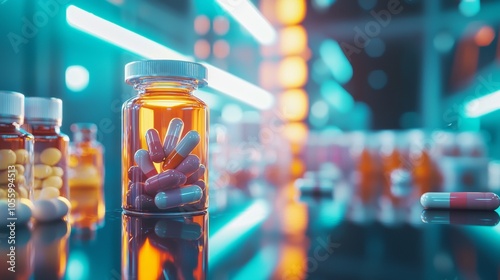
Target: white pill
23, 211
63, 205
46, 210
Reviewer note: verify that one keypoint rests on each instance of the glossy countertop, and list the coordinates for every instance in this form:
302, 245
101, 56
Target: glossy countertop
267, 233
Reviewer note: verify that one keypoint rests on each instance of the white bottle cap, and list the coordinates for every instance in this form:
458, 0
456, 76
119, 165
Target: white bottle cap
136, 70
11, 107
41, 110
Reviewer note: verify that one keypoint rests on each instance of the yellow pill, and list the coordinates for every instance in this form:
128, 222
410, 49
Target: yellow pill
4, 176
50, 156
19, 168
42, 171
57, 171
52, 181
37, 184
20, 179
22, 156
7, 158
48, 193
23, 192
3, 193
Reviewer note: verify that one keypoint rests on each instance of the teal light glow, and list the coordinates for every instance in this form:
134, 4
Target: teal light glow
77, 78
223, 240
337, 62
78, 266
337, 96
219, 80
261, 266
319, 114
249, 17
483, 105
469, 8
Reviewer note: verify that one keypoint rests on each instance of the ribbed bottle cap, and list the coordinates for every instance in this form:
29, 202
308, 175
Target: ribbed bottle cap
43, 110
11, 107
166, 68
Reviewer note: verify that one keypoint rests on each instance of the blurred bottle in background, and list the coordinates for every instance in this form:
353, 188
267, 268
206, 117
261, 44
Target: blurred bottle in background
86, 177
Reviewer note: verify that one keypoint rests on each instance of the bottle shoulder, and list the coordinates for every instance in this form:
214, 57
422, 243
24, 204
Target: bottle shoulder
165, 99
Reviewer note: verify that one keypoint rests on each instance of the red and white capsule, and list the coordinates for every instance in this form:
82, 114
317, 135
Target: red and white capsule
460, 200
182, 150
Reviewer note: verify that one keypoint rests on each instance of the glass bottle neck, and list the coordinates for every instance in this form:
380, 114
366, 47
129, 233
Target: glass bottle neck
8, 126
44, 129
153, 85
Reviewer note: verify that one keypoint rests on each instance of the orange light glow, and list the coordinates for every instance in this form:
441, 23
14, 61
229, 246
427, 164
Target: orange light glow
297, 168
296, 133
221, 49
201, 25
294, 104
151, 261
290, 11
484, 36
292, 72
221, 25
202, 49
293, 262
295, 219
293, 40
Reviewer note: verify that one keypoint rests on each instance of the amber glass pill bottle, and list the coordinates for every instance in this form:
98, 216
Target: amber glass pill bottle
165, 139
16, 149
43, 119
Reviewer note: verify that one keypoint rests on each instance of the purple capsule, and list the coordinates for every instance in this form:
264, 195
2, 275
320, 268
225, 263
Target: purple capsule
164, 181
198, 174
189, 165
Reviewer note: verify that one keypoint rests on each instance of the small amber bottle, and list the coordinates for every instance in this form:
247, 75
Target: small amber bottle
16, 148
44, 119
165, 138
86, 178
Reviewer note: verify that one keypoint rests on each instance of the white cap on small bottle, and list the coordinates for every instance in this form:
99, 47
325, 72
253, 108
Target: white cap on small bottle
43, 110
11, 107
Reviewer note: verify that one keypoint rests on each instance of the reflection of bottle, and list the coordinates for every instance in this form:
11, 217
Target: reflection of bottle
164, 248
20, 260
50, 242
86, 177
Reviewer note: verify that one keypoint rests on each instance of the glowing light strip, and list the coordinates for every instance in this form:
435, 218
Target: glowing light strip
483, 105
246, 14
219, 80
254, 215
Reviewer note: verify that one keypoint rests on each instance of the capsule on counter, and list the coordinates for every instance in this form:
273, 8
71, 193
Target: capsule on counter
460, 217
460, 200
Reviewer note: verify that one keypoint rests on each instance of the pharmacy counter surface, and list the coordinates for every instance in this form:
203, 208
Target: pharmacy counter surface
280, 237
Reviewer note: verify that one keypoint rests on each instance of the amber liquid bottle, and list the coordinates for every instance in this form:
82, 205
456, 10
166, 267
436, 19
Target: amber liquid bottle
86, 177
164, 98
44, 119
16, 153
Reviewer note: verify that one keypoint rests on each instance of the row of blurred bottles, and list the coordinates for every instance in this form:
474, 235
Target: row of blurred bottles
435, 161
